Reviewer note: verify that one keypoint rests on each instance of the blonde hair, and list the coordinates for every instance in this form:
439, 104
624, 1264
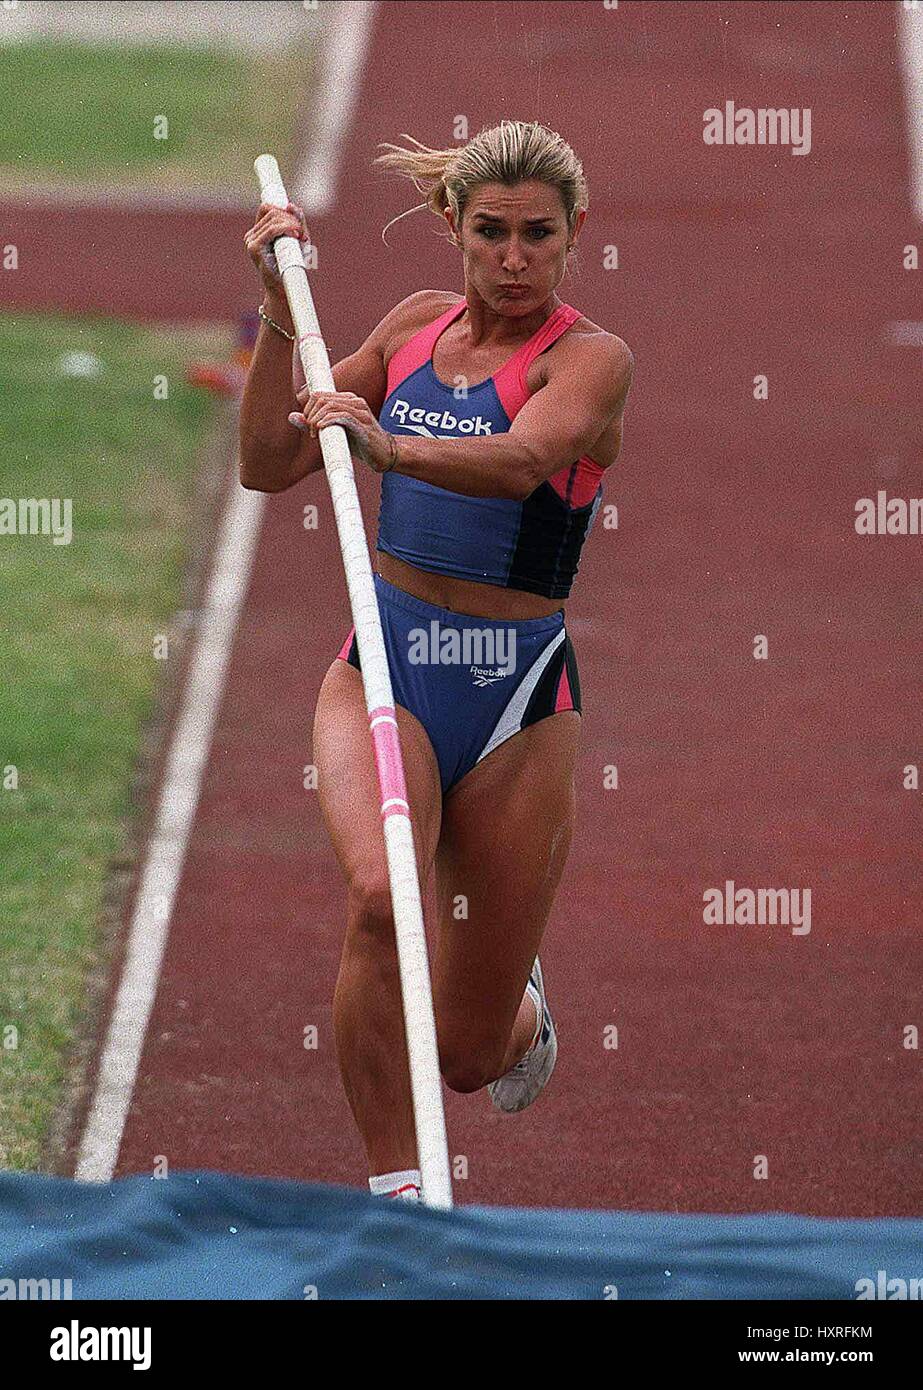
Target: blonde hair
505, 153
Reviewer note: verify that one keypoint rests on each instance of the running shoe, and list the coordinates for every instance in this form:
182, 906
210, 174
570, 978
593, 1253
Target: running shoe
521, 1085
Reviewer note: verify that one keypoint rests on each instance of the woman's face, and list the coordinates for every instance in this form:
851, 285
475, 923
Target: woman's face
514, 236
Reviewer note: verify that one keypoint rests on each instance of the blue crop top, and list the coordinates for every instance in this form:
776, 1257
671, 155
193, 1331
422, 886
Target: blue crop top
533, 544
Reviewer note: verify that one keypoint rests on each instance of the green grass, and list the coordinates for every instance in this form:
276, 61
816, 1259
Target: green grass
78, 113
76, 660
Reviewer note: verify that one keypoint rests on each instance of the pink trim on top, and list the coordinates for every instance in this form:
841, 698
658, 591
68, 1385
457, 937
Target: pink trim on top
344, 650
419, 348
577, 484
510, 380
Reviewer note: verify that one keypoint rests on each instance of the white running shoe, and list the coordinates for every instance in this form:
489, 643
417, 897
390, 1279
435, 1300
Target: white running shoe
521, 1085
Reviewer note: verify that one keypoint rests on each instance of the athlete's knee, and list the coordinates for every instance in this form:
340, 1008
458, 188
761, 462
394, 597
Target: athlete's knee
465, 1077
370, 908
465, 1068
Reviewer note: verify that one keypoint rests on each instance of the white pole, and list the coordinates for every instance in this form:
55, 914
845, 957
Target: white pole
416, 990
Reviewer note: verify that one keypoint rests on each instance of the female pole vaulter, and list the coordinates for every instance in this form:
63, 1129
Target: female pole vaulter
492, 417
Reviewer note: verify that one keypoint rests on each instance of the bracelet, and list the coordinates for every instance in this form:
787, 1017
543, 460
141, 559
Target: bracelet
395, 456
277, 326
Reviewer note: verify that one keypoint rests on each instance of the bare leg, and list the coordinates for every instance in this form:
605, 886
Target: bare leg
506, 832
367, 1012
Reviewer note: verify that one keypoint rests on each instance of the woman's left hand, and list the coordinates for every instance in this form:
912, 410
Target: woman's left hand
367, 438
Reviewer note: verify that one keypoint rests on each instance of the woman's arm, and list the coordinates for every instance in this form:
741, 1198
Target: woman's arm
268, 444
585, 393
275, 455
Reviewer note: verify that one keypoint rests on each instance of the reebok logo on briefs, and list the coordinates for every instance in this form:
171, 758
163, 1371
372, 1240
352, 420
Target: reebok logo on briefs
485, 676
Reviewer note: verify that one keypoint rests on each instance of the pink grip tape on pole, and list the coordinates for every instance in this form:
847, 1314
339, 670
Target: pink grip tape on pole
386, 743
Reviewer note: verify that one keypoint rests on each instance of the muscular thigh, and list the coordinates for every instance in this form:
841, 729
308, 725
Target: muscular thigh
348, 783
506, 832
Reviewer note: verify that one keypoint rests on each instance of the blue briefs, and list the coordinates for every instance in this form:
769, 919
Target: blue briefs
471, 682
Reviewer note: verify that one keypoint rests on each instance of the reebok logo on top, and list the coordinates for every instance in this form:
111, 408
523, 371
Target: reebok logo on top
417, 419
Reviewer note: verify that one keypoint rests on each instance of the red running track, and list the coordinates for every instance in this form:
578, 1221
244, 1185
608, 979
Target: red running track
735, 519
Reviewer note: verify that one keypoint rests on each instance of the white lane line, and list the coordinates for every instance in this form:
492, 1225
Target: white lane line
189, 750
904, 333
338, 84
166, 851
910, 49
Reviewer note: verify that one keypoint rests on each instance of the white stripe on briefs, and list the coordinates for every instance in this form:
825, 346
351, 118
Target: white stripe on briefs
510, 720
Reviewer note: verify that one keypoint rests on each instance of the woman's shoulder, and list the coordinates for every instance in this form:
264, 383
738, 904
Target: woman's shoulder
421, 300
413, 314
586, 331
586, 342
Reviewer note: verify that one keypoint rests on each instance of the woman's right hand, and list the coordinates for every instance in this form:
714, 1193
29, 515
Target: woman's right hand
272, 222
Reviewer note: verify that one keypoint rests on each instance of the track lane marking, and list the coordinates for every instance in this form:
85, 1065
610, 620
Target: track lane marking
190, 746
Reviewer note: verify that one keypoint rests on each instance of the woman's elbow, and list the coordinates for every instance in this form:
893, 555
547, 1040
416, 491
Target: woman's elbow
257, 478
529, 475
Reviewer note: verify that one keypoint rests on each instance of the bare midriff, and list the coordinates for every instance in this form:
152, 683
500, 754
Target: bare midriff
465, 595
